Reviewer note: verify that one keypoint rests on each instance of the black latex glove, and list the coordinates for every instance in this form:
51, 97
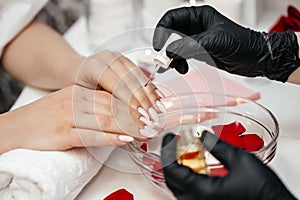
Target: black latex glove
248, 178
230, 46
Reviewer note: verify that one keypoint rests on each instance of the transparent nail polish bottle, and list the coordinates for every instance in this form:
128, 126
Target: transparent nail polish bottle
190, 151
161, 60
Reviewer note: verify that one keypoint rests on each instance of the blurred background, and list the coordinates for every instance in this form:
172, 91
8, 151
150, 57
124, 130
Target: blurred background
107, 18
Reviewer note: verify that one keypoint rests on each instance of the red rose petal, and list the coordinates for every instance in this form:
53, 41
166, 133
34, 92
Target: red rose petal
218, 171
230, 133
120, 194
234, 128
144, 147
148, 161
252, 142
157, 177
239, 128
218, 129
232, 139
154, 164
157, 167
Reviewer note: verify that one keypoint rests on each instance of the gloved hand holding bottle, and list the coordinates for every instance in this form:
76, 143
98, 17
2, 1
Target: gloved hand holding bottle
209, 36
247, 177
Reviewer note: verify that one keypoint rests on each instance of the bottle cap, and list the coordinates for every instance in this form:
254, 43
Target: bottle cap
161, 59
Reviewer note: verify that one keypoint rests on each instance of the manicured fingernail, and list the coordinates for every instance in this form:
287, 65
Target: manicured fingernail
159, 93
143, 132
143, 112
151, 132
148, 132
153, 114
125, 138
146, 121
156, 126
161, 106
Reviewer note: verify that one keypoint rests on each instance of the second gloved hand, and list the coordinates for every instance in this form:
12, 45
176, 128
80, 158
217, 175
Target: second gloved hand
247, 178
211, 37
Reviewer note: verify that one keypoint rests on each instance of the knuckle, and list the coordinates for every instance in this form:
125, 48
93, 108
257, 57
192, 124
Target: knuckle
105, 96
66, 101
105, 123
107, 108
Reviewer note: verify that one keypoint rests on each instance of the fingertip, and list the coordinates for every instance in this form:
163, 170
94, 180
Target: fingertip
168, 138
209, 140
180, 65
182, 70
125, 138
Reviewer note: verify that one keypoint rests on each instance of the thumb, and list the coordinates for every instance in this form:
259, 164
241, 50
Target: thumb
168, 150
197, 46
180, 65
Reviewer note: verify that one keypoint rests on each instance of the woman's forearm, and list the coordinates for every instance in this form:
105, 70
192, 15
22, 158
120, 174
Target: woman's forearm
8, 139
295, 76
40, 57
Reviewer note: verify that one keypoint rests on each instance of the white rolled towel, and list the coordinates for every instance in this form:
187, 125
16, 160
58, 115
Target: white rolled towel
48, 175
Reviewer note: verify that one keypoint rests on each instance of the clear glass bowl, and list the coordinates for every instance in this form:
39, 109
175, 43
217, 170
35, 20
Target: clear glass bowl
205, 109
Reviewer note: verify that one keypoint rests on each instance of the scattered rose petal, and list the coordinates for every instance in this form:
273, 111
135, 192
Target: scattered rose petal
159, 178
232, 134
252, 142
154, 164
120, 194
144, 147
218, 171
232, 128
232, 139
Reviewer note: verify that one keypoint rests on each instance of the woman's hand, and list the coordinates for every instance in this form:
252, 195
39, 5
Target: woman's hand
121, 77
58, 66
71, 117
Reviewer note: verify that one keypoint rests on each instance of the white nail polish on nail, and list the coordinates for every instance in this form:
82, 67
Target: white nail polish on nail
159, 93
150, 131
125, 138
153, 114
143, 132
161, 106
146, 121
156, 126
143, 112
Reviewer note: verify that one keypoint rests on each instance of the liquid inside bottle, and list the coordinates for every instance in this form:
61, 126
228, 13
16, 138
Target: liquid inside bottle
190, 151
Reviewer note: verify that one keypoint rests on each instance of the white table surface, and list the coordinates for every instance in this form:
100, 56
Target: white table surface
282, 99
